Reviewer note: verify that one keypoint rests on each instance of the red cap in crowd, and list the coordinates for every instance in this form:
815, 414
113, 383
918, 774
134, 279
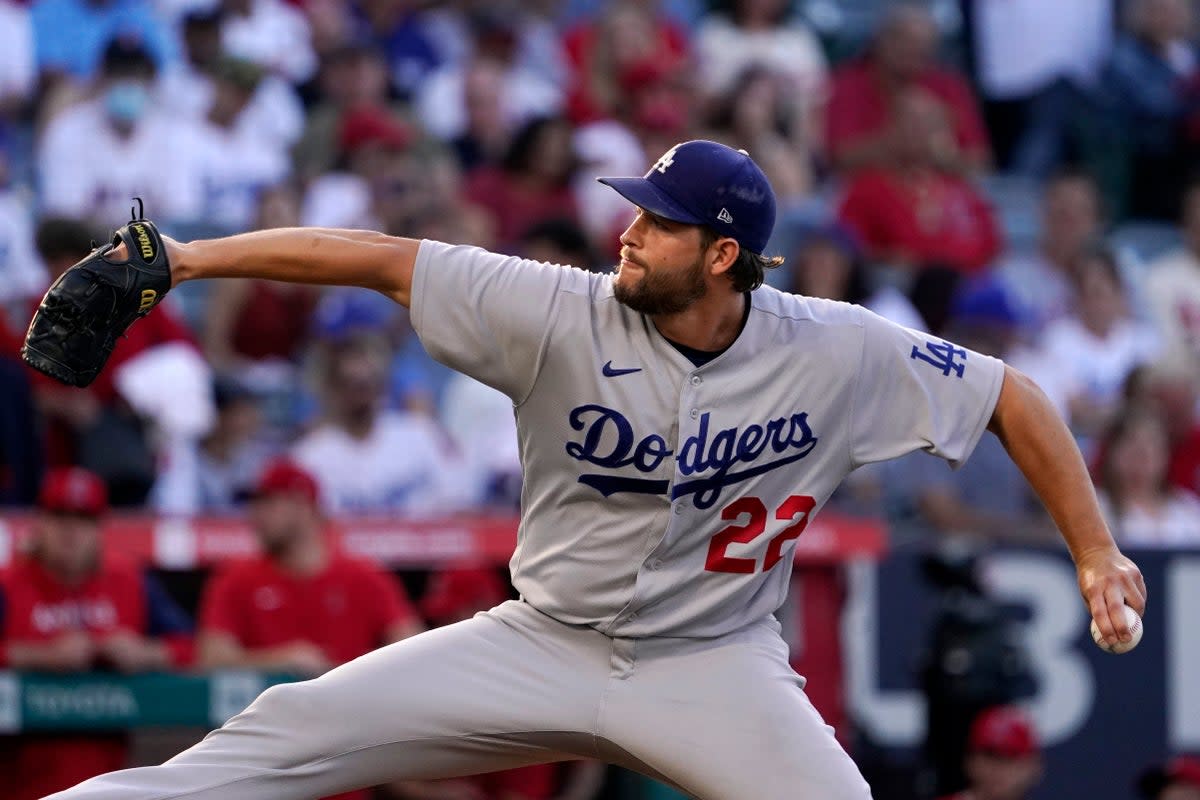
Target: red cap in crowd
373, 126
284, 476
1179, 771
73, 490
1003, 731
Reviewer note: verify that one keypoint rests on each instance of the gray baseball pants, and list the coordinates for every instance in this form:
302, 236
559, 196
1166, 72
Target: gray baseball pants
720, 719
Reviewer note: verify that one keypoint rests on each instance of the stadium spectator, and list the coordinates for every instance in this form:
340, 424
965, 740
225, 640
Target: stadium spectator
532, 184
660, 105
741, 35
442, 210
272, 33
558, 241
352, 77
1152, 83
17, 70
829, 263
400, 32
188, 86
1032, 61
300, 606
1071, 221
911, 212
1177, 779
486, 134
95, 155
626, 39
233, 454
22, 274
524, 93
72, 36
369, 459
1004, 758
1173, 290
94, 427
238, 159
865, 98
69, 607
759, 114
1141, 507
259, 328
533, 27
375, 169
1094, 349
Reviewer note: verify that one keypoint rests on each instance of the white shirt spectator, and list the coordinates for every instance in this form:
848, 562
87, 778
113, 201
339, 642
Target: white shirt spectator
22, 274
338, 200
1042, 291
235, 166
88, 170
275, 35
1176, 523
403, 466
480, 419
17, 71
605, 148
275, 112
724, 51
538, 42
1173, 297
441, 109
1024, 45
1095, 366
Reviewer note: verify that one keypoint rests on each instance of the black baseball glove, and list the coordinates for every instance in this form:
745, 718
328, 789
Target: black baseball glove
91, 305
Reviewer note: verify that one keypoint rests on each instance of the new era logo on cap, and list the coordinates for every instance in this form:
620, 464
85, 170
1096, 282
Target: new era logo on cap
706, 183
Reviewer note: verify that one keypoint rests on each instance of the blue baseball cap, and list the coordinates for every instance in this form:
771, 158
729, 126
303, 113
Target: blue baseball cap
706, 183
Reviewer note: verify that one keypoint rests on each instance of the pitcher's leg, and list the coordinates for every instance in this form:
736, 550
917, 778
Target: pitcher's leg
728, 719
507, 688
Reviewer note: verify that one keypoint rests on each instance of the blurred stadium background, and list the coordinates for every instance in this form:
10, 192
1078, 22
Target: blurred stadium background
1019, 175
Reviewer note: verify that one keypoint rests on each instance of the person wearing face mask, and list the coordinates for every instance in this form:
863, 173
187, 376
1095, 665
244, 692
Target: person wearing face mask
97, 154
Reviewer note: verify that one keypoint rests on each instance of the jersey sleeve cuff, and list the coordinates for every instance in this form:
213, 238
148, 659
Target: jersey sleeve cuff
989, 408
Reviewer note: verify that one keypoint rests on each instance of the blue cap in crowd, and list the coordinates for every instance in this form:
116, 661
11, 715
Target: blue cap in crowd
706, 183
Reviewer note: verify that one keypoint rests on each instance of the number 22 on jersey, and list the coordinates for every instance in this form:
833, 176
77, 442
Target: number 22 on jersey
797, 505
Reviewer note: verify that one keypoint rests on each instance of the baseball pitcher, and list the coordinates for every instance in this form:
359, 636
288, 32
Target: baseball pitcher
680, 424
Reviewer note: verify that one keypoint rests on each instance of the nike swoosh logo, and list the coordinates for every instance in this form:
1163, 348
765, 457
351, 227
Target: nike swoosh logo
609, 372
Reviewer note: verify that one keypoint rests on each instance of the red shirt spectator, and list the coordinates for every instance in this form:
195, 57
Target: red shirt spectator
532, 184
625, 39
66, 608
346, 608
913, 214
299, 607
921, 219
862, 98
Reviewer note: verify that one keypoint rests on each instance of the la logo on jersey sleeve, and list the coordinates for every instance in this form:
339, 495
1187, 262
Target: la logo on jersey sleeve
942, 355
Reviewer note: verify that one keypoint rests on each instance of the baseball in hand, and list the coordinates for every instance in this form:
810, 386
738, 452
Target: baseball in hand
1135, 628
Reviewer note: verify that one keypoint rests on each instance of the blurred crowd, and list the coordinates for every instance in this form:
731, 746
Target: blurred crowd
1014, 175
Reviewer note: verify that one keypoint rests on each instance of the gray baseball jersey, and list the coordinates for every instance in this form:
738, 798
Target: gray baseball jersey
661, 498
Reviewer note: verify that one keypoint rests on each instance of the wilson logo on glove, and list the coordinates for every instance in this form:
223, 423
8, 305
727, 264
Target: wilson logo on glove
143, 240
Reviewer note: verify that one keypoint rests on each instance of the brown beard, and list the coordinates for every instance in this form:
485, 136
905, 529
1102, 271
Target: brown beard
661, 292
